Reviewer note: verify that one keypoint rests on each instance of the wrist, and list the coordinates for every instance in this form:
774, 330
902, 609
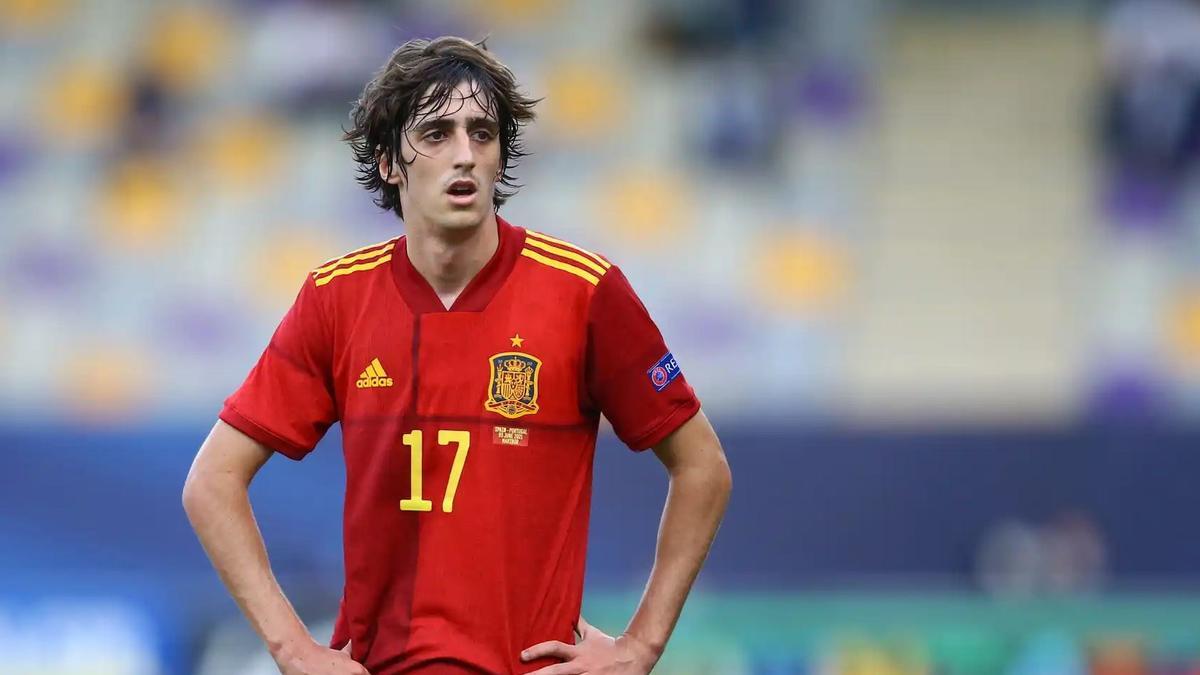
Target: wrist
647, 649
290, 646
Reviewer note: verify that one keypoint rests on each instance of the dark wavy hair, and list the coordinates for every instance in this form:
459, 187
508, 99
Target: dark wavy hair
420, 76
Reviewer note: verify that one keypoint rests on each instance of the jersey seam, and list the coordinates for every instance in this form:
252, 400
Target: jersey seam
328, 372
587, 342
469, 419
327, 329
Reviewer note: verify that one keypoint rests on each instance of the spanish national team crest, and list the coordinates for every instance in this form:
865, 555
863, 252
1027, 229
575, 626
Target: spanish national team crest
514, 388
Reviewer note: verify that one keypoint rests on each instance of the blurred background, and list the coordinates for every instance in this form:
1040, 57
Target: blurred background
931, 266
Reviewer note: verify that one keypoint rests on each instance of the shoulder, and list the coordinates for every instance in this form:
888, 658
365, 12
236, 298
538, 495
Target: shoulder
367, 261
564, 261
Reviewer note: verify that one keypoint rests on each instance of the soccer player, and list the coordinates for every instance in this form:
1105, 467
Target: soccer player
468, 363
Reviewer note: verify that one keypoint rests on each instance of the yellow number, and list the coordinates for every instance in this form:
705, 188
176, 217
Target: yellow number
413, 441
463, 439
445, 437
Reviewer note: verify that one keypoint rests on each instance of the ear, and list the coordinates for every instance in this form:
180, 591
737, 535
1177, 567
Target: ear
386, 172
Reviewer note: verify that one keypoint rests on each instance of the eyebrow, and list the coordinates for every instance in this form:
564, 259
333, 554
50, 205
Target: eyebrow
443, 123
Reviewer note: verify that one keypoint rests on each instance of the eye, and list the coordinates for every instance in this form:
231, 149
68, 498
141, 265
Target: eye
434, 136
483, 135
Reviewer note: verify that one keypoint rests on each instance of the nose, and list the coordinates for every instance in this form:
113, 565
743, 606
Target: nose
464, 153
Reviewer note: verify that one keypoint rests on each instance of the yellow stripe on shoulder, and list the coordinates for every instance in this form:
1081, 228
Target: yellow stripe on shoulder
578, 249
568, 254
361, 267
560, 265
356, 255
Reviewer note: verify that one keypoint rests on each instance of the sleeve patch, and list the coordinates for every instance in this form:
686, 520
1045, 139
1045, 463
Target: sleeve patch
664, 372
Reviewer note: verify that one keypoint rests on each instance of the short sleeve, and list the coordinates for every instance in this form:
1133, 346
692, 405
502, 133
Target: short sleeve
286, 402
631, 375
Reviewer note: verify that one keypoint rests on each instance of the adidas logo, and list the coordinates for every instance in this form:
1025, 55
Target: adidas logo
373, 376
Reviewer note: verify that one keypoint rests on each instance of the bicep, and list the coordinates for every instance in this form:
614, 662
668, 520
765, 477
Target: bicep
230, 453
693, 444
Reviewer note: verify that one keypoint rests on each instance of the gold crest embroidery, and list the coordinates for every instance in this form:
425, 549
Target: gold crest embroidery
513, 390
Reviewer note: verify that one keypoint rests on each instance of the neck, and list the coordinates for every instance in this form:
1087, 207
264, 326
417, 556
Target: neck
450, 258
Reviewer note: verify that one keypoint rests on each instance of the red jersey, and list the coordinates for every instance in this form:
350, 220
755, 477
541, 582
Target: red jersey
468, 437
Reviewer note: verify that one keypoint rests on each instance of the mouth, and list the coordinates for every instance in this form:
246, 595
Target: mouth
462, 191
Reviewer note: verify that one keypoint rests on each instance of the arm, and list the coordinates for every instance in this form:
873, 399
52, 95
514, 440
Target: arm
700, 483
216, 499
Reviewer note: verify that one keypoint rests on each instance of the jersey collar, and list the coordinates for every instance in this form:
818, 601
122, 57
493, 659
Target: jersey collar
421, 297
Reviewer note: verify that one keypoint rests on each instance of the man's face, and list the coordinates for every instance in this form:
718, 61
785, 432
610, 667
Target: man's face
453, 158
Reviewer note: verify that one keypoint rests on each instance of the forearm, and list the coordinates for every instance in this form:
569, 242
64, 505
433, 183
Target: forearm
218, 507
695, 504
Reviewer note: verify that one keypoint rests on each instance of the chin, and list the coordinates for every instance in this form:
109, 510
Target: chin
462, 220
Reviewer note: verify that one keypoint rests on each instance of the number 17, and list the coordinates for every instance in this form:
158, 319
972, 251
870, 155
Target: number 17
413, 440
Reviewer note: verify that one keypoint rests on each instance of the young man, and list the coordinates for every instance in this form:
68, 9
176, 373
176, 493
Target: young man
468, 363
